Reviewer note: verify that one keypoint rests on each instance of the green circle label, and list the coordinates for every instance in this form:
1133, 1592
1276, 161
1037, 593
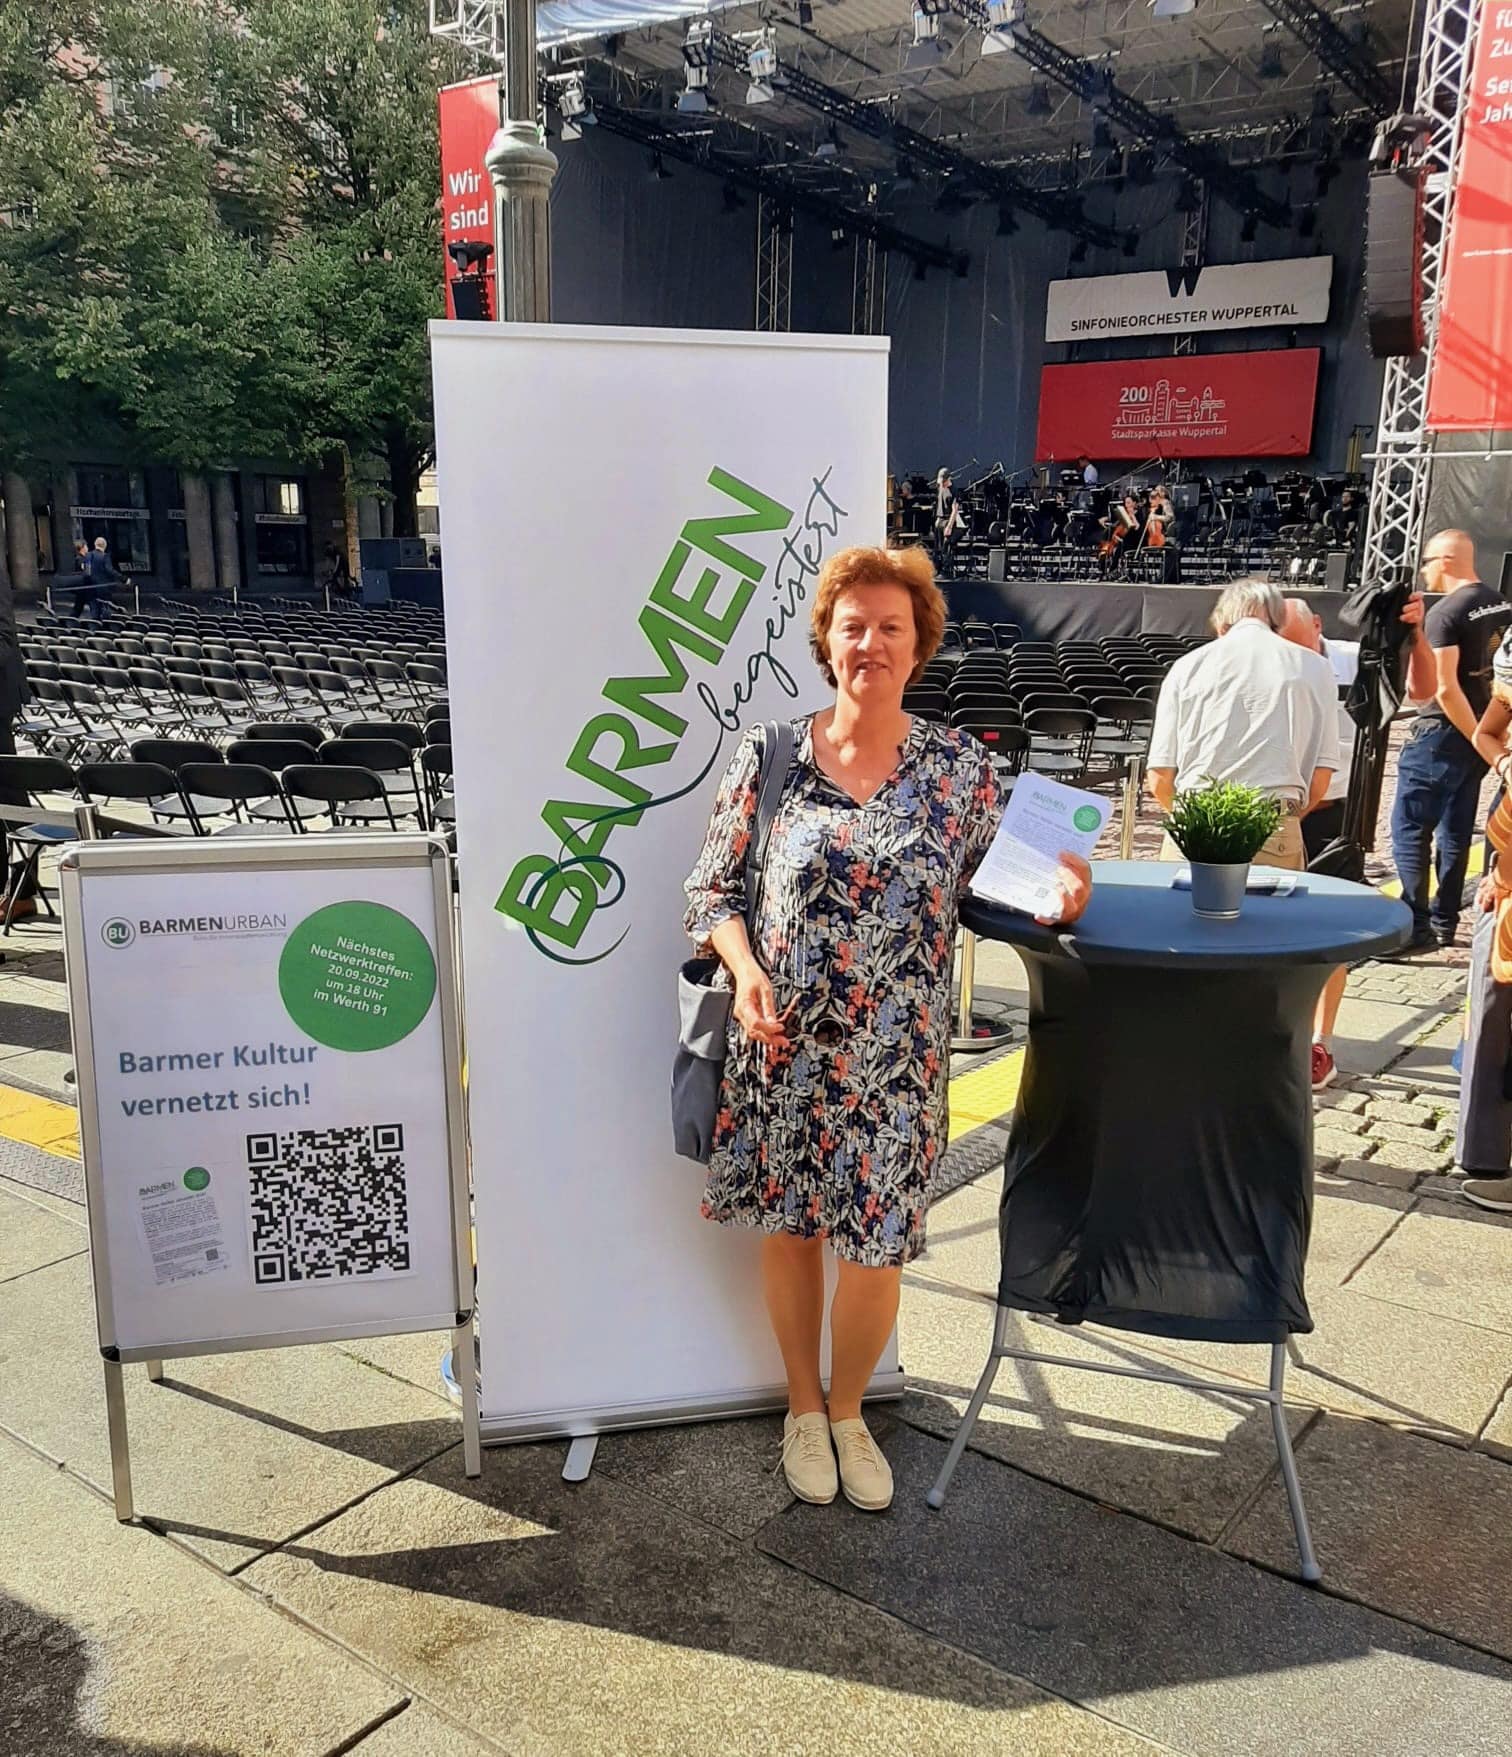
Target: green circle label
1085, 817
357, 976
196, 1178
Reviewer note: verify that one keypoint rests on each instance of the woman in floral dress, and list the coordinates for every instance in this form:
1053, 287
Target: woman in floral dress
833, 1111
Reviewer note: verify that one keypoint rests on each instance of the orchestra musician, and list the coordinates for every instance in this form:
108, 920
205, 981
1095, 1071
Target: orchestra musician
1124, 526
1160, 524
949, 526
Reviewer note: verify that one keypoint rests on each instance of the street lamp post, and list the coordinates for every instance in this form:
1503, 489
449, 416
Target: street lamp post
522, 169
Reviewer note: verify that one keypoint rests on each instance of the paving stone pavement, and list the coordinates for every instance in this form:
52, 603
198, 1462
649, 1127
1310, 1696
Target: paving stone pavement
1113, 1572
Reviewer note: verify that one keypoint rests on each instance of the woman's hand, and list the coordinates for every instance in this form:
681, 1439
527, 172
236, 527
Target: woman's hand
1073, 884
756, 1006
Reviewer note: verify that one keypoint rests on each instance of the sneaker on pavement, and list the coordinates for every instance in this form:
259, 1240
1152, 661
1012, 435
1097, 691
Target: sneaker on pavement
1494, 1193
1323, 1069
1425, 940
808, 1460
865, 1474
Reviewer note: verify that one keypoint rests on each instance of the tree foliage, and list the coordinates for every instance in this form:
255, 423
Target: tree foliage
218, 228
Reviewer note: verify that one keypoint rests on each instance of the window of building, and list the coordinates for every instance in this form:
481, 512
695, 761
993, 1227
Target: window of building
283, 528
110, 502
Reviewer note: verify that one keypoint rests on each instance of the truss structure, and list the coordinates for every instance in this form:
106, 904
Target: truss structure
1404, 446
774, 265
1193, 254
868, 289
471, 24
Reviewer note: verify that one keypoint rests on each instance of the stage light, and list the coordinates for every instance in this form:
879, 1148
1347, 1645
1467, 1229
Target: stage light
805, 14
837, 237
1003, 15
1079, 251
927, 49
829, 147
903, 177
1248, 229
1007, 222
697, 52
470, 253
1172, 8
761, 59
573, 102
1039, 103
1270, 66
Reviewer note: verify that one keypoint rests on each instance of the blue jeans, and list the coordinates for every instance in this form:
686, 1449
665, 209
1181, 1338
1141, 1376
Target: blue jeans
1438, 788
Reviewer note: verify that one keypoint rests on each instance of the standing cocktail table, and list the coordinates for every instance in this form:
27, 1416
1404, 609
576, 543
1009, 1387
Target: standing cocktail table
1159, 1173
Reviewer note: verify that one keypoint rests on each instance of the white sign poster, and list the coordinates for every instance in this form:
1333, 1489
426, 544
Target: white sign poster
1241, 295
268, 1124
635, 520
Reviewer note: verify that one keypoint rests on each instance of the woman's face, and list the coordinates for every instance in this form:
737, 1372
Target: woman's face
872, 642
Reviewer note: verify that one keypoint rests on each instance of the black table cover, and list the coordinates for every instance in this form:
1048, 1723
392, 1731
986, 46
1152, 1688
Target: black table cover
1159, 1170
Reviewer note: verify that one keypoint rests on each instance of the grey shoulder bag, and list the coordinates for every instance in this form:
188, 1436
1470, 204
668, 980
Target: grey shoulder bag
704, 1011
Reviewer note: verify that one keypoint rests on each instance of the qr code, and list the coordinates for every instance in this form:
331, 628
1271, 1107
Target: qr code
328, 1204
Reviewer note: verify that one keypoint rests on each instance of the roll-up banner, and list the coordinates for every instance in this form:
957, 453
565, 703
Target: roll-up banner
1175, 301
469, 116
1180, 406
609, 635
1471, 388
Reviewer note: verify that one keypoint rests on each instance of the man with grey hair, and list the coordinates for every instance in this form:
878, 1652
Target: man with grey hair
1249, 707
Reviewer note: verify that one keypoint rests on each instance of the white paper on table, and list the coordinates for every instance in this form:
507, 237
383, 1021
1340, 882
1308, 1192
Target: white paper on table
1043, 820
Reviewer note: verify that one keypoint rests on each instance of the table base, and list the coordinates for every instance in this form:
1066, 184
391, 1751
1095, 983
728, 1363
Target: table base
1273, 1395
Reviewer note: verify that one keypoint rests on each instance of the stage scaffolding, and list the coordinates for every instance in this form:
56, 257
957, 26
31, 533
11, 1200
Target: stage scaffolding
1404, 450
774, 265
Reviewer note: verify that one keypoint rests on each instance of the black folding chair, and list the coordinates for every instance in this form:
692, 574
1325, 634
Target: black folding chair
251, 795
30, 778
343, 789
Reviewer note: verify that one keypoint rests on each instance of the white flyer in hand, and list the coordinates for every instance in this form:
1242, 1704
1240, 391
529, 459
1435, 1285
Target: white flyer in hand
1043, 820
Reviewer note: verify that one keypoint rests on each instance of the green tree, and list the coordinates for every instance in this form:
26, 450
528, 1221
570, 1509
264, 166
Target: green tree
343, 93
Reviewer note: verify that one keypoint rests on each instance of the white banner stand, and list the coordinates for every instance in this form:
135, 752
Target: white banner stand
271, 1114
607, 643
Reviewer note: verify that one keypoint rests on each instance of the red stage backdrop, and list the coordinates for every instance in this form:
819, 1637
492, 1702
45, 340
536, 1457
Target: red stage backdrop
1180, 406
1471, 390
469, 121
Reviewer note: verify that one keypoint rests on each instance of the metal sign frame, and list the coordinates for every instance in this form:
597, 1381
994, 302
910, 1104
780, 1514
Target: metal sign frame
87, 860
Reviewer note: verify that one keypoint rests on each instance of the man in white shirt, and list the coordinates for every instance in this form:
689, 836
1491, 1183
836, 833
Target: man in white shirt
1253, 708
1088, 470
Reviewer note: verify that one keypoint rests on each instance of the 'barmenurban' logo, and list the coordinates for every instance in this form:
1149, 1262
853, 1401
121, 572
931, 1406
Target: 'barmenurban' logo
556, 896
120, 933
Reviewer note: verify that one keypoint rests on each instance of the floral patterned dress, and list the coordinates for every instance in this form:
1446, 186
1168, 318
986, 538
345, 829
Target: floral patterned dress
837, 1131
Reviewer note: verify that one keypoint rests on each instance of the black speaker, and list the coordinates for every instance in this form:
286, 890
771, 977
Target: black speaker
997, 565
1394, 263
1335, 570
470, 298
1170, 565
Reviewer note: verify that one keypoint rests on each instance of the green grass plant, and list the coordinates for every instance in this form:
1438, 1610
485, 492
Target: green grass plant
1224, 824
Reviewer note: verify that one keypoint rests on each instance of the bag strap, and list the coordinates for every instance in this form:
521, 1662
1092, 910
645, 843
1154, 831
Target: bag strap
776, 758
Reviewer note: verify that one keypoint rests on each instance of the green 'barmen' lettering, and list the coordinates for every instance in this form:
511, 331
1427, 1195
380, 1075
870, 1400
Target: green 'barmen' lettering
684, 614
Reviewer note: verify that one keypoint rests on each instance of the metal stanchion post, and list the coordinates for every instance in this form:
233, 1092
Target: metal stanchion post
1130, 810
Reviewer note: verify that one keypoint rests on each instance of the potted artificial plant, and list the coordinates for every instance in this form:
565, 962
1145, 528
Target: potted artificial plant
1221, 828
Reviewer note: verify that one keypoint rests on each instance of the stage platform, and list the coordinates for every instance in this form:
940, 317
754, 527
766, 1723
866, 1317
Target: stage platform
1049, 610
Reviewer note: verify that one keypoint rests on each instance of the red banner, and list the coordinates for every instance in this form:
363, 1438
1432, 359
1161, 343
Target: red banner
469, 121
1471, 389
1180, 406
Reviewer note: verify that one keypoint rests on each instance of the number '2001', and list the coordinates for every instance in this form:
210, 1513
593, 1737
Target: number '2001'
1133, 393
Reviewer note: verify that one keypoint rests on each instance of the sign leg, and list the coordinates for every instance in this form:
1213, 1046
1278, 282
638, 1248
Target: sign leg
465, 1364
120, 1451
580, 1453
155, 1372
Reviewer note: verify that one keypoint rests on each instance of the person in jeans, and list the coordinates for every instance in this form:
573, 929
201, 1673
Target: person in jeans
1326, 821
1439, 773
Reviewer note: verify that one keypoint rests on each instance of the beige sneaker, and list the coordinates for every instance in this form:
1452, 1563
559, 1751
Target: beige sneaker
865, 1474
808, 1461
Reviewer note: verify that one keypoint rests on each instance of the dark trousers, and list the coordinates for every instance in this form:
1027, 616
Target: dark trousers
1438, 788
1322, 826
10, 795
1483, 1145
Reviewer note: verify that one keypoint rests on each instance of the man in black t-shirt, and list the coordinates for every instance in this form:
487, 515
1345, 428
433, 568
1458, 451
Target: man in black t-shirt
1439, 775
